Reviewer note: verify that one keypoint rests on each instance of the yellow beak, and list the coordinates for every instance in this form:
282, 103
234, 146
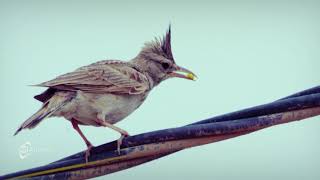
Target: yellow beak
181, 72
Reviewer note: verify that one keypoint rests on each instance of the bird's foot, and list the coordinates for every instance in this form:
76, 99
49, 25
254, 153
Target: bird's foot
119, 141
90, 146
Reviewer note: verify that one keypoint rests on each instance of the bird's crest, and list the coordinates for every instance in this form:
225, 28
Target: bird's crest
166, 44
160, 46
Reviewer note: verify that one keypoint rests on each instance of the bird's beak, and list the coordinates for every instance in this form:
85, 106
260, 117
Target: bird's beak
181, 72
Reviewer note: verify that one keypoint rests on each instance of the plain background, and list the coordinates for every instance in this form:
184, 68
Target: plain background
245, 53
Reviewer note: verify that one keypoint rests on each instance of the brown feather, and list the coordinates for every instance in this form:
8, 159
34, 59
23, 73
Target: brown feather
103, 77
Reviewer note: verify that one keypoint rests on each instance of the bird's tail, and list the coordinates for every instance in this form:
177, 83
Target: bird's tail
52, 105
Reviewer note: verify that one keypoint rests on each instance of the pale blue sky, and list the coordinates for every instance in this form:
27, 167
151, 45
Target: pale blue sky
245, 53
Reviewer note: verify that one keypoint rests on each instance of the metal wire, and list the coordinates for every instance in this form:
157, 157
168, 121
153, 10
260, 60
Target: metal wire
145, 147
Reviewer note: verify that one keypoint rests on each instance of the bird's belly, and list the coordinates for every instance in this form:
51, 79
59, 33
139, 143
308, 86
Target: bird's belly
111, 107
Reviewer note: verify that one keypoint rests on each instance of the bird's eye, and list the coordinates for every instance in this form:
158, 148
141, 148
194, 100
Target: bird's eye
165, 65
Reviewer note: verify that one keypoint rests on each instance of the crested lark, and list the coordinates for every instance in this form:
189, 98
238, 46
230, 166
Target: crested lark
105, 92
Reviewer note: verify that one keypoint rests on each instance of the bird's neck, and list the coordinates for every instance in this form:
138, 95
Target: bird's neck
142, 66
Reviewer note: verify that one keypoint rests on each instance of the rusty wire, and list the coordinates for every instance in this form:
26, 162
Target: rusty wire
145, 147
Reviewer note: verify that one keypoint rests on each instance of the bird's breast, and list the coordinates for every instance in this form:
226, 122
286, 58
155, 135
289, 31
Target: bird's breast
112, 107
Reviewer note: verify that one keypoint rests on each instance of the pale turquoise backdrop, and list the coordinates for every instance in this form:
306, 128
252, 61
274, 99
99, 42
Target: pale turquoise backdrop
245, 53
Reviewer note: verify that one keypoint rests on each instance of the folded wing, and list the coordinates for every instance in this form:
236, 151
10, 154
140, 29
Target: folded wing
108, 77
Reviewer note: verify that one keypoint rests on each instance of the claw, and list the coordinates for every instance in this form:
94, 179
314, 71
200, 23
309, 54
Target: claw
88, 152
119, 141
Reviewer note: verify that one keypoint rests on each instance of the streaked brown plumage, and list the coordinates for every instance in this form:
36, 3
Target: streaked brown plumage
105, 92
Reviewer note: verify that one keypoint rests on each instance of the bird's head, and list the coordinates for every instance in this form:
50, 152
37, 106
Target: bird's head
157, 60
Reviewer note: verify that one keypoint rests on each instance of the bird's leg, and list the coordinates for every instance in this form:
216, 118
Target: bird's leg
88, 143
121, 131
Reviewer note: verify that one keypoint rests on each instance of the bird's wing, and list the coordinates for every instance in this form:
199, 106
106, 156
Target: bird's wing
102, 77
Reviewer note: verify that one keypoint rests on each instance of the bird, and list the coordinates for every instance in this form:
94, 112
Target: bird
105, 92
